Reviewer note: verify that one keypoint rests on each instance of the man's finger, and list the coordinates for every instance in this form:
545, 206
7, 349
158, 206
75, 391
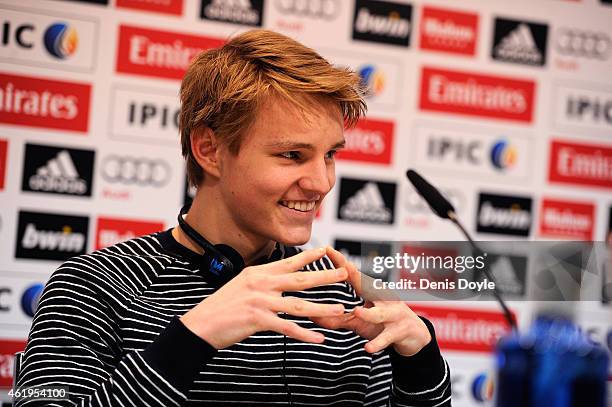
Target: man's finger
308, 279
293, 330
296, 262
302, 308
384, 339
377, 315
339, 260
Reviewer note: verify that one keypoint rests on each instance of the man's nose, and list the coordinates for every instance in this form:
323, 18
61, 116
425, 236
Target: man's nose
318, 177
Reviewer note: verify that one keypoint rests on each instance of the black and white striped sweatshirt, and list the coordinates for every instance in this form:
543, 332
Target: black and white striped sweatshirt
107, 327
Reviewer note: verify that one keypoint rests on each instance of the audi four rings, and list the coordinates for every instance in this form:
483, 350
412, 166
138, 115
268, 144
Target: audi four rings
132, 170
584, 43
326, 9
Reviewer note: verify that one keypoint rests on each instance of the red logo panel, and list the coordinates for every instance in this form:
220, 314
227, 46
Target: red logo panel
580, 164
113, 230
166, 6
161, 54
463, 329
8, 348
568, 220
449, 31
3, 161
369, 141
37, 102
477, 95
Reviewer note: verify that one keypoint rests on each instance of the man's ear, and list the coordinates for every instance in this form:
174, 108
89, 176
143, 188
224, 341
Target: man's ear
205, 150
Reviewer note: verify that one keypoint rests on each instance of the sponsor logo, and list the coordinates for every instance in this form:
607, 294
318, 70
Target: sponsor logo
46, 236
565, 219
5, 291
484, 155
477, 95
247, 12
382, 22
361, 253
580, 107
140, 171
3, 161
61, 40
465, 330
319, 9
509, 273
112, 230
367, 201
483, 387
57, 170
174, 7
521, 42
449, 31
580, 164
33, 38
31, 298
575, 42
103, 2
37, 102
381, 78
372, 78
144, 116
419, 214
160, 54
369, 141
504, 214
8, 348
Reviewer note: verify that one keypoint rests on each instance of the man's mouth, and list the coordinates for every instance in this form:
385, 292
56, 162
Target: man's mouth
302, 206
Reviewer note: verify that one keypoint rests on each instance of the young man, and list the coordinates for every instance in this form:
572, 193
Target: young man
148, 322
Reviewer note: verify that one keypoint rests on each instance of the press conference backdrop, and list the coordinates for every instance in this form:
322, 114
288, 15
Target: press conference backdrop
506, 106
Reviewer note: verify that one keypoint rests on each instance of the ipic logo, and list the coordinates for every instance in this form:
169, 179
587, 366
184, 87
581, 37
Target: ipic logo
46, 236
483, 387
503, 155
57, 170
373, 78
55, 40
522, 42
367, 201
61, 40
504, 214
383, 22
31, 298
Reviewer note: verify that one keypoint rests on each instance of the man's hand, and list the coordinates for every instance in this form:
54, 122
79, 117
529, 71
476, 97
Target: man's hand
251, 301
384, 323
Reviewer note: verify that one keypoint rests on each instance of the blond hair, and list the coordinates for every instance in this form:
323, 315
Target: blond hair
224, 87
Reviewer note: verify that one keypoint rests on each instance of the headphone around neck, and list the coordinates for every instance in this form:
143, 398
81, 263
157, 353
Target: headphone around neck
220, 262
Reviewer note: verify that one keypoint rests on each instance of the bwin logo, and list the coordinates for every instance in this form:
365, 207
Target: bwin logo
61, 40
216, 266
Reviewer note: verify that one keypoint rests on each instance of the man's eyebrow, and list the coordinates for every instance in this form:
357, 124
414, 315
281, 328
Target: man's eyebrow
290, 145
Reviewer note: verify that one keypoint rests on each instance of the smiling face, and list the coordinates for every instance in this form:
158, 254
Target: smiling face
285, 166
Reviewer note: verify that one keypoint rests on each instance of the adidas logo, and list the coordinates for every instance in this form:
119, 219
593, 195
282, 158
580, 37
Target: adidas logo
519, 46
239, 11
367, 205
505, 276
59, 174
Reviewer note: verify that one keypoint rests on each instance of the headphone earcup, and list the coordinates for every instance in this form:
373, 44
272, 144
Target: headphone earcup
233, 256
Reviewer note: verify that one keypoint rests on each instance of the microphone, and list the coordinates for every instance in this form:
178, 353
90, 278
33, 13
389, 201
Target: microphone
445, 210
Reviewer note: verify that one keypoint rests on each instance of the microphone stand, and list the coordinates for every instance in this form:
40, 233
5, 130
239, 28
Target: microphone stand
507, 314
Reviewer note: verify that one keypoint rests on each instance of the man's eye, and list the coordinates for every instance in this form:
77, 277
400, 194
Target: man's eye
331, 154
291, 155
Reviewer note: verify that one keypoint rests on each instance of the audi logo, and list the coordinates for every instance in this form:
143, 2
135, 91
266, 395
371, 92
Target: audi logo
325, 9
584, 43
135, 171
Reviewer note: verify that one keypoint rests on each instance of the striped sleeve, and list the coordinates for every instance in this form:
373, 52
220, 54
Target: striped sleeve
74, 343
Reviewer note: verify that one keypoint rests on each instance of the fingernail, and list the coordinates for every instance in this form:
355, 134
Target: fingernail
321, 250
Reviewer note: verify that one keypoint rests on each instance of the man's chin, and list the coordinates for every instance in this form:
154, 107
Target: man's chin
295, 239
